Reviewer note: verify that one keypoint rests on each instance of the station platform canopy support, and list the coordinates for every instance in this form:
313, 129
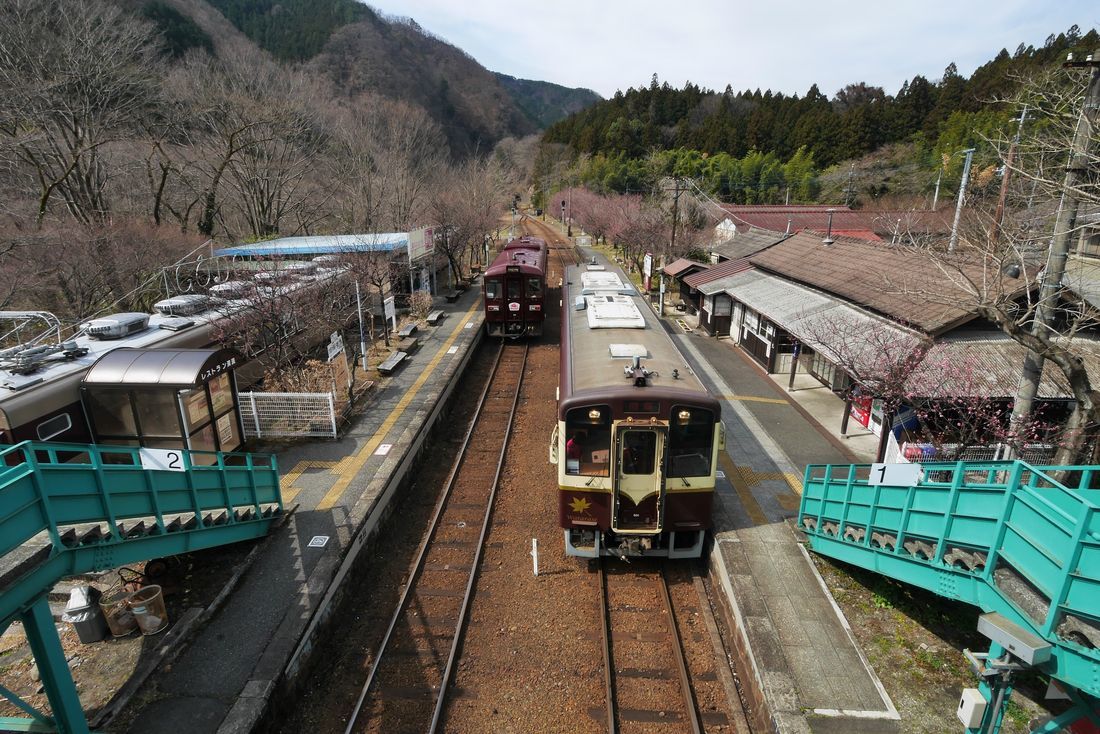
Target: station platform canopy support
1021, 542
67, 509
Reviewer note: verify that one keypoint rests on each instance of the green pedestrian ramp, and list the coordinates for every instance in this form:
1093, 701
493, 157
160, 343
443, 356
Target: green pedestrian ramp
67, 509
1008, 537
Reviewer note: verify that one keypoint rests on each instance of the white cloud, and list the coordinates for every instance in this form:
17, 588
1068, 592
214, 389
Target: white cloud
785, 46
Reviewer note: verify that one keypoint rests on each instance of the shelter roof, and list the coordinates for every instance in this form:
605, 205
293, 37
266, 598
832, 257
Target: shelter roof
677, 267
170, 367
321, 245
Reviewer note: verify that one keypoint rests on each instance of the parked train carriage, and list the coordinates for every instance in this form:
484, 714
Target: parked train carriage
44, 404
515, 289
637, 437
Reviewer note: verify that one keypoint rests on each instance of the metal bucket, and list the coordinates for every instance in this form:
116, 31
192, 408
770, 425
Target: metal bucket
147, 605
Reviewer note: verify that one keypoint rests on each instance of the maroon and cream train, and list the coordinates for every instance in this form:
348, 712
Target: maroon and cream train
637, 436
515, 289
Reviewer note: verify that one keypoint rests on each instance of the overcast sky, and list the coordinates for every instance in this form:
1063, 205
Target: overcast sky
784, 45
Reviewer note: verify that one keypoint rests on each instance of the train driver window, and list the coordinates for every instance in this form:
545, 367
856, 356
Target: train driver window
492, 289
588, 441
690, 442
514, 287
534, 287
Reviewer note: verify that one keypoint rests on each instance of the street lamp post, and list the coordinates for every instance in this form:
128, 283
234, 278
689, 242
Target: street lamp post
962, 195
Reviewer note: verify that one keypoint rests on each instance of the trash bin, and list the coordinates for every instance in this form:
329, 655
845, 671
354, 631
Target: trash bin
147, 604
82, 611
119, 617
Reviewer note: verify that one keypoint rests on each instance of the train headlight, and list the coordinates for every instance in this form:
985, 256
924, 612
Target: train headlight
684, 416
594, 415
494, 308
536, 307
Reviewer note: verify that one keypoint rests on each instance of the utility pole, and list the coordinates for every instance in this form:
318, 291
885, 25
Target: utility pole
936, 196
1064, 226
848, 191
999, 214
675, 214
962, 196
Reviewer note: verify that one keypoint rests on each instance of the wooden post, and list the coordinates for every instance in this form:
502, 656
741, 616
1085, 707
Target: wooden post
847, 415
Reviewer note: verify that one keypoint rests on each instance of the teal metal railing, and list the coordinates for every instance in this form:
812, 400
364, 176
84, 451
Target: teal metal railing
1008, 537
81, 497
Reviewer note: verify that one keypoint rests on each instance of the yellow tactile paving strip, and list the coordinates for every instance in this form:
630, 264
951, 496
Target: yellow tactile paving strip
350, 465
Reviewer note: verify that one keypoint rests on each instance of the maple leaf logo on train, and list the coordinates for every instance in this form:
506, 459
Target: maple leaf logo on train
580, 504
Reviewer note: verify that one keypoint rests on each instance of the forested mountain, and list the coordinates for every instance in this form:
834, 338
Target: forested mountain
362, 51
546, 103
935, 117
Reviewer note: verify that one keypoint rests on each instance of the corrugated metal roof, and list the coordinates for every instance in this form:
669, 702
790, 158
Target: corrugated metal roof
719, 271
321, 245
882, 223
170, 367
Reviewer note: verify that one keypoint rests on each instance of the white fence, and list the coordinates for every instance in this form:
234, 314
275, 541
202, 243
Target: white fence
287, 414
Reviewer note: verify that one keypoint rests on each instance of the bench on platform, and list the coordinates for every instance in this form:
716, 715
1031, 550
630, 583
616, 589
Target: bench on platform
452, 296
407, 330
408, 345
392, 362
434, 317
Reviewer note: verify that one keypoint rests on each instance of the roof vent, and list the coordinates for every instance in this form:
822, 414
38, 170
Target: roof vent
116, 326
175, 323
230, 289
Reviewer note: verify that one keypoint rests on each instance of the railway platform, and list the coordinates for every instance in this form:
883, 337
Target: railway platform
808, 674
263, 633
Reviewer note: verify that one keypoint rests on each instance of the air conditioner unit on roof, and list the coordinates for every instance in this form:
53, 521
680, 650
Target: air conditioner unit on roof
116, 326
185, 305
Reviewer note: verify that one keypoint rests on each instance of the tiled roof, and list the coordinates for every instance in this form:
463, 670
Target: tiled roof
746, 243
676, 267
721, 270
891, 280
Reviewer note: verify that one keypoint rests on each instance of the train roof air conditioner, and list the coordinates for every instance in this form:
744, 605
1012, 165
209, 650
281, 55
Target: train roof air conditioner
116, 326
186, 305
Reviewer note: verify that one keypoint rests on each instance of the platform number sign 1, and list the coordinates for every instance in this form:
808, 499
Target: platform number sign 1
162, 460
895, 475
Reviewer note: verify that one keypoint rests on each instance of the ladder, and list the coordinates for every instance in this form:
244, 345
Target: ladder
1016, 540
68, 509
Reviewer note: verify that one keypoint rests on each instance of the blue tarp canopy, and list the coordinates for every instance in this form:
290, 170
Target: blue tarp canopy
321, 245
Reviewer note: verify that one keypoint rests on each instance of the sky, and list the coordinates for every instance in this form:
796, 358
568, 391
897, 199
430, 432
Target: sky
782, 45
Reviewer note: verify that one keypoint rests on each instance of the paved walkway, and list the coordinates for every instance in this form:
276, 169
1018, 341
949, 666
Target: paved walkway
221, 682
812, 674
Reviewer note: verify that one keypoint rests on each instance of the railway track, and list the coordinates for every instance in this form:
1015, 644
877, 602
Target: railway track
406, 687
645, 670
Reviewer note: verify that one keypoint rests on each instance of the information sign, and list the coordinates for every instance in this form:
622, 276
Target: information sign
162, 459
895, 475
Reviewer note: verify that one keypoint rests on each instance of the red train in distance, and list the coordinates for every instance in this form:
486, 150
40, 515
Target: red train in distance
515, 289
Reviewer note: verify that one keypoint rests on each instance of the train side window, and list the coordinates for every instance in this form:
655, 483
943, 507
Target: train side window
588, 441
492, 289
514, 287
690, 442
534, 287
54, 427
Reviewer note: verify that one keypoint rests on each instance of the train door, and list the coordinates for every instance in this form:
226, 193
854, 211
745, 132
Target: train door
513, 302
638, 474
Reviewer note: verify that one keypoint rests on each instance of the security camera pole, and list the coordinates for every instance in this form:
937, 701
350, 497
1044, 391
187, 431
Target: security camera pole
1064, 227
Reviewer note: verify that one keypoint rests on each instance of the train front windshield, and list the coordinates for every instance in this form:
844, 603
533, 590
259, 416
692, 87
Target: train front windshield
690, 442
492, 289
588, 441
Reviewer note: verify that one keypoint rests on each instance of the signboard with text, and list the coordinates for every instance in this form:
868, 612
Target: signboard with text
421, 243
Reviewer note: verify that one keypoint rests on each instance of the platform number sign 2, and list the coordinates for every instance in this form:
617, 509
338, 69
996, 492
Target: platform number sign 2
895, 475
162, 460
